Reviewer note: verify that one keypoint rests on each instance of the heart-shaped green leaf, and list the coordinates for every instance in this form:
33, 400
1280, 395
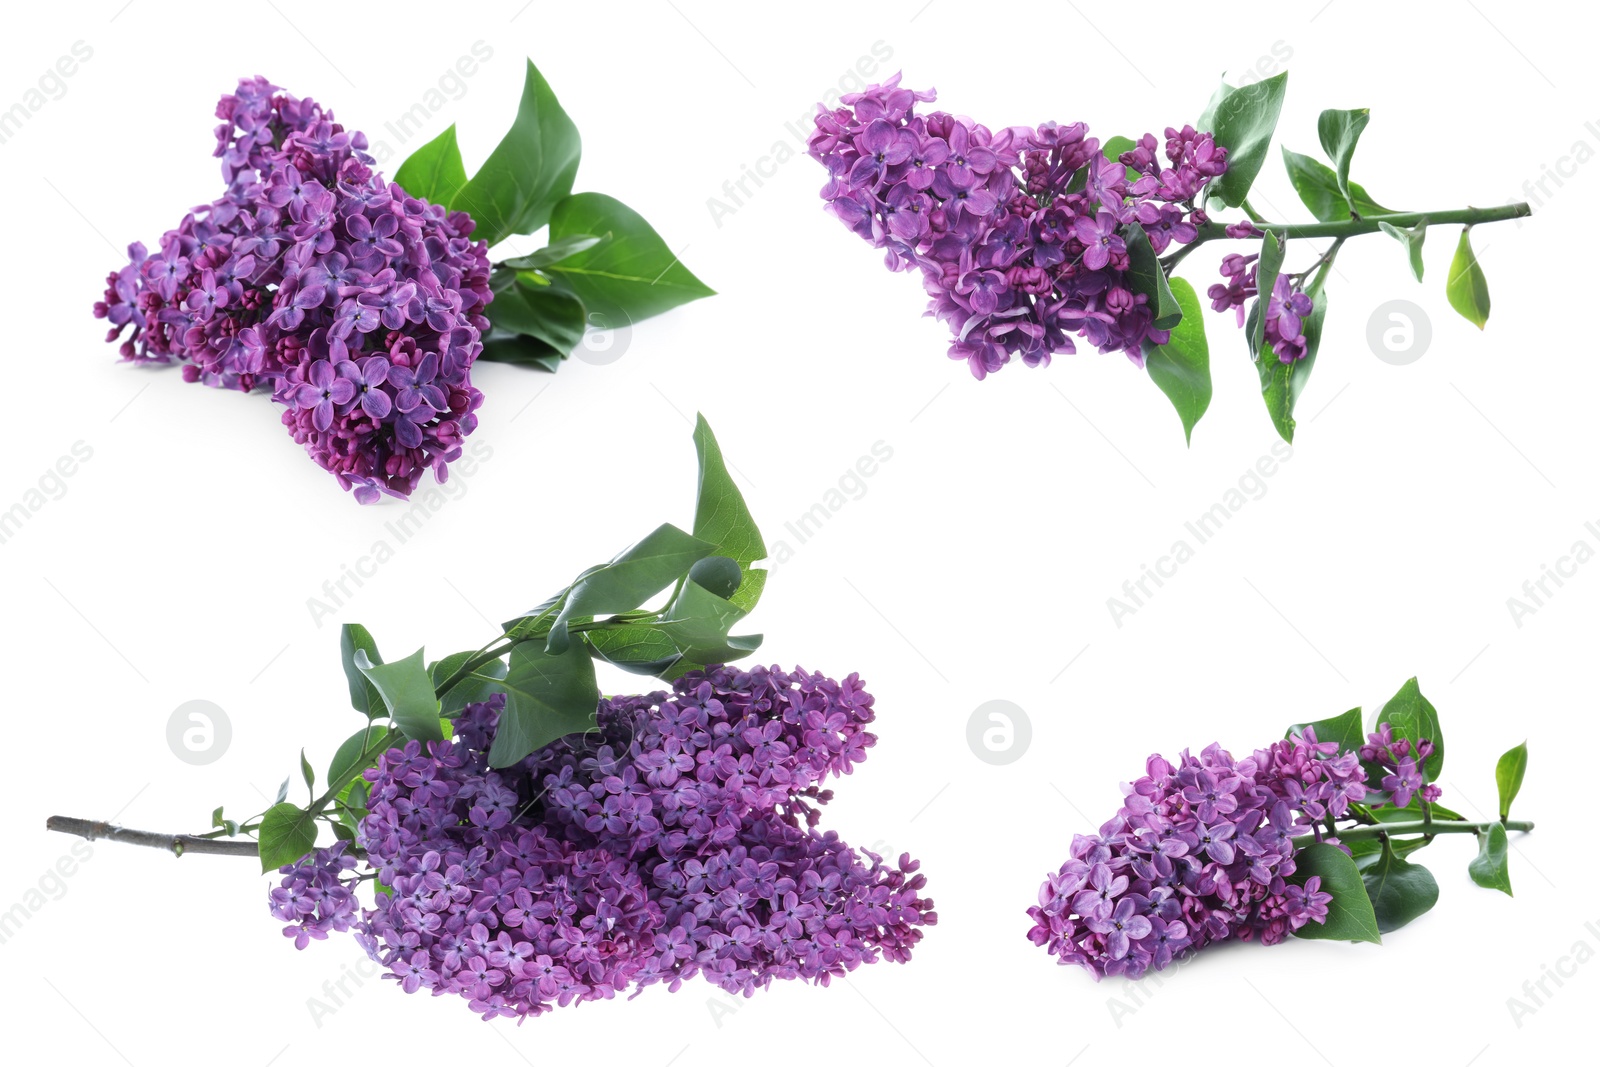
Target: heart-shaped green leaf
1400, 891
1350, 915
630, 276
546, 697
1181, 368
434, 172
407, 692
531, 169
1489, 868
286, 834
1242, 120
1411, 716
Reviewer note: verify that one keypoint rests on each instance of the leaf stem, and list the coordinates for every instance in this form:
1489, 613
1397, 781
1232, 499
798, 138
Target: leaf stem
1381, 831
1470, 216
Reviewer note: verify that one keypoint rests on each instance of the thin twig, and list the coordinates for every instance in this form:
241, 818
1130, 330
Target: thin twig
177, 844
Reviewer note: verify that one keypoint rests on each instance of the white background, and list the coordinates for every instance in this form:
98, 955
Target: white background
976, 566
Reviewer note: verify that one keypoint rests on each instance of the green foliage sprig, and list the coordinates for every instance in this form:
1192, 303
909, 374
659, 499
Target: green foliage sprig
604, 266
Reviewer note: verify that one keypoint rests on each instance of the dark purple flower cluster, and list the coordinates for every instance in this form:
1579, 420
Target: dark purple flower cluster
1287, 307
675, 839
359, 305
1019, 232
1398, 758
1199, 852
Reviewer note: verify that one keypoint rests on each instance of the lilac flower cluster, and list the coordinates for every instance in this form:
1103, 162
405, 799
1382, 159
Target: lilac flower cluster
1287, 308
1199, 852
1398, 758
1019, 233
317, 895
360, 306
678, 838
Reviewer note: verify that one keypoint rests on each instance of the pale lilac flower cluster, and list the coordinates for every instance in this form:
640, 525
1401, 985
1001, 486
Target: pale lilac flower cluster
675, 839
360, 306
1020, 233
317, 895
1398, 758
1199, 852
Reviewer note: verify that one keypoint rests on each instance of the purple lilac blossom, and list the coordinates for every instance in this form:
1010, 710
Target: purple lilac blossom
1017, 231
1399, 758
1200, 852
678, 838
359, 306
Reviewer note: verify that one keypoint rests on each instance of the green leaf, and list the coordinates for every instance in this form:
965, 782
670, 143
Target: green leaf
364, 696
1282, 383
306, 772
698, 622
287, 833
434, 172
1181, 368
1399, 891
1350, 915
1267, 268
503, 346
555, 252
407, 692
1113, 148
1339, 131
629, 277
221, 823
1411, 716
717, 574
528, 173
723, 519
637, 649
1508, 776
547, 697
1412, 239
1344, 730
1146, 276
1318, 188
1489, 867
358, 752
475, 688
632, 577
542, 312
1466, 287
1242, 121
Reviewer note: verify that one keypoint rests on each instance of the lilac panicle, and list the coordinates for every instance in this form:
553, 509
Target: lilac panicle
677, 838
1203, 851
361, 307
1017, 231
